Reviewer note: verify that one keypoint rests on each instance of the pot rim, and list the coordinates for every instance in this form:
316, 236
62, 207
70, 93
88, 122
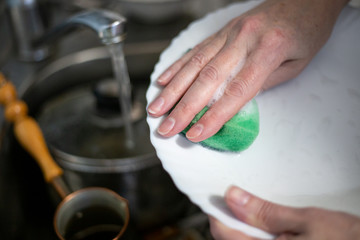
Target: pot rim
109, 165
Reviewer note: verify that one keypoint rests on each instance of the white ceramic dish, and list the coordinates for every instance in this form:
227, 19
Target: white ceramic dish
308, 149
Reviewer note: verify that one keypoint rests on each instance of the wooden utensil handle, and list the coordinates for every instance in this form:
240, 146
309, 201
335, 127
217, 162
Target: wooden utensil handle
29, 134
27, 131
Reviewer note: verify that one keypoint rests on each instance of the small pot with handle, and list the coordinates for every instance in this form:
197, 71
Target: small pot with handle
86, 213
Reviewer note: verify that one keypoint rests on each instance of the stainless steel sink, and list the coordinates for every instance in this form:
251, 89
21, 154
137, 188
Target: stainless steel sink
26, 202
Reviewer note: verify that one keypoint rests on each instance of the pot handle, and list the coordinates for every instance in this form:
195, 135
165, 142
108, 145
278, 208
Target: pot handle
27, 131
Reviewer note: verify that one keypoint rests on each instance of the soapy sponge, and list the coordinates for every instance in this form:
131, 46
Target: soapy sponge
237, 134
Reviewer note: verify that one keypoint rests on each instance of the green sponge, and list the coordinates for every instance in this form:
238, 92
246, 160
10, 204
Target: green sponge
237, 134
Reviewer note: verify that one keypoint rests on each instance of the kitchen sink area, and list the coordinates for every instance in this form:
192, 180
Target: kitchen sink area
71, 95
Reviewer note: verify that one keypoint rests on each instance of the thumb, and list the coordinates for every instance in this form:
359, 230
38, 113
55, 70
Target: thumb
262, 214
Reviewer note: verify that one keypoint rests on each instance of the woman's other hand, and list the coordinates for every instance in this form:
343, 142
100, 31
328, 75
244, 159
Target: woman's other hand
286, 223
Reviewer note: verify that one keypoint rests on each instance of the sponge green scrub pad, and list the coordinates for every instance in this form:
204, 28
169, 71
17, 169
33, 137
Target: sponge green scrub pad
237, 134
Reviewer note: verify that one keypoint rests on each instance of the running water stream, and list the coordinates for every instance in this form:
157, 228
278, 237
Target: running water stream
121, 75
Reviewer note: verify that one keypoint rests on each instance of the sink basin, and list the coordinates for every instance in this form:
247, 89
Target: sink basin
27, 203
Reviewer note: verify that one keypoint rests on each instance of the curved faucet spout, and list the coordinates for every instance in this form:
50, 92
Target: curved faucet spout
32, 41
109, 26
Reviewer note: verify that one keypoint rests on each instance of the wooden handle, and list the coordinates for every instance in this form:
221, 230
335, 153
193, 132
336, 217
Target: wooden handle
7, 91
27, 131
29, 134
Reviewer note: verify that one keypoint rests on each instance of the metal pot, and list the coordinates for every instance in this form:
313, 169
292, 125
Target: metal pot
138, 177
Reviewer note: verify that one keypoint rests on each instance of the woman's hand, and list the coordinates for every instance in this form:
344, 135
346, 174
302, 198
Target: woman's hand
285, 222
263, 47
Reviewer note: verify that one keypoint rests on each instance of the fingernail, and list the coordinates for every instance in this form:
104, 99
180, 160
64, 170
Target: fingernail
156, 105
195, 131
166, 126
238, 196
164, 77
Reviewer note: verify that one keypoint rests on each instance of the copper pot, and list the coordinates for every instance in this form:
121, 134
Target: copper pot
85, 213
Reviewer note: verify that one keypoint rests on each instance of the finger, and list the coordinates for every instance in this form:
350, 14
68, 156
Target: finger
222, 68
262, 214
184, 77
170, 72
246, 84
222, 232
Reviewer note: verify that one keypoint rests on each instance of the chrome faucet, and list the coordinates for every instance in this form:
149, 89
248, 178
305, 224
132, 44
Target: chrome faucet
31, 37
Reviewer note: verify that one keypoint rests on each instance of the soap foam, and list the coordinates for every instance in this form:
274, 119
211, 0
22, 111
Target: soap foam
221, 89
